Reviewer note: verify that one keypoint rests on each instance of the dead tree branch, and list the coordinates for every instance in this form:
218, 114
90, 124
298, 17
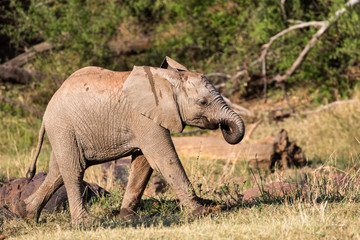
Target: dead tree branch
237, 108
266, 47
224, 75
14, 75
282, 3
25, 57
320, 109
330, 105
238, 75
220, 86
323, 26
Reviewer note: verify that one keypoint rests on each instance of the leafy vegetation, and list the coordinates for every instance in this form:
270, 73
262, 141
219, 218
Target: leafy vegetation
207, 36
316, 213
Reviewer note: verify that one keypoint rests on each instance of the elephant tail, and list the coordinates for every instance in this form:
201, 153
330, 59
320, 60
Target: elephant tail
32, 170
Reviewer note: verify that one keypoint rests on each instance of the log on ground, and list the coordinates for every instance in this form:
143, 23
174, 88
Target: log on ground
280, 153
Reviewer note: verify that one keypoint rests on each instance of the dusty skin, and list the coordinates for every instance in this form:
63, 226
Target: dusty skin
98, 115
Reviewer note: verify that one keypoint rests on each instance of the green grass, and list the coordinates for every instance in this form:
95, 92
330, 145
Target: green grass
325, 211
330, 213
18, 140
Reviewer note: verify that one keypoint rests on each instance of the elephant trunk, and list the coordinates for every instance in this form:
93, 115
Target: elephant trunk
232, 127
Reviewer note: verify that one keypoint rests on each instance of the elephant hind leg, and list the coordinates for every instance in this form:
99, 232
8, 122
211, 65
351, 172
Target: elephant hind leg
71, 166
140, 173
73, 174
73, 183
32, 206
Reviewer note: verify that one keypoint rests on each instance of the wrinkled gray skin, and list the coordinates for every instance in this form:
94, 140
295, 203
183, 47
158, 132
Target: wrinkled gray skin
99, 115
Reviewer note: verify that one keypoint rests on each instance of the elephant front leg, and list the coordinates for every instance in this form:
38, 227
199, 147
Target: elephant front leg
140, 173
162, 157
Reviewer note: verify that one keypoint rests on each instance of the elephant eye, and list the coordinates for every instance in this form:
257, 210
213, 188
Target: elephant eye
203, 101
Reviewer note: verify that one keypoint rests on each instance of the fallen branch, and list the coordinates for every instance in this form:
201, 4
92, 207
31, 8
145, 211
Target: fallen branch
14, 75
279, 152
224, 75
25, 57
33, 110
237, 108
330, 105
219, 86
320, 109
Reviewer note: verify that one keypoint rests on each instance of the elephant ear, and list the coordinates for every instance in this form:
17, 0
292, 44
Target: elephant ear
169, 63
150, 91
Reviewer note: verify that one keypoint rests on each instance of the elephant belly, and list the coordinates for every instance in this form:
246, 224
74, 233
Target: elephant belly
105, 143
107, 153
102, 127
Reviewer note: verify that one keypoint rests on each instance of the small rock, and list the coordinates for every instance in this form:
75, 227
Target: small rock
119, 171
159, 185
344, 181
116, 171
21, 188
275, 189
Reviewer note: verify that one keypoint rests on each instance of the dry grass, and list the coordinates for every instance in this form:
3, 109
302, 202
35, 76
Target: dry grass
331, 137
294, 220
326, 211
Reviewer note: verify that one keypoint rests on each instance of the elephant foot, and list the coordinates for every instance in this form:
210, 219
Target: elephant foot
85, 221
19, 207
127, 214
198, 207
205, 202
207, 210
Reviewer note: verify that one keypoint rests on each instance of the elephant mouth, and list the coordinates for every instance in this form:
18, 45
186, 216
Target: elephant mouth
210, 124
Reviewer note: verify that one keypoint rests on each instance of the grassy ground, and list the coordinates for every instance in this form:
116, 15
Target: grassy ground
331, 143
332, 214
286, 221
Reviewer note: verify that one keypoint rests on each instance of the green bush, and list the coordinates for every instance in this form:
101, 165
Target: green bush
206, 36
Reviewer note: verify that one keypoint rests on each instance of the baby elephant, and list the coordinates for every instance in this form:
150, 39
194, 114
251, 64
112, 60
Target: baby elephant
99, 115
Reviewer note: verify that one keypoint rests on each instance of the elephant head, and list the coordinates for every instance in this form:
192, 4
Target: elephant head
174, 97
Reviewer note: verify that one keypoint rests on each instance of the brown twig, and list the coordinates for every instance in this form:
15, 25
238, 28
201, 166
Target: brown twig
25, 57
282, 3
239, 74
